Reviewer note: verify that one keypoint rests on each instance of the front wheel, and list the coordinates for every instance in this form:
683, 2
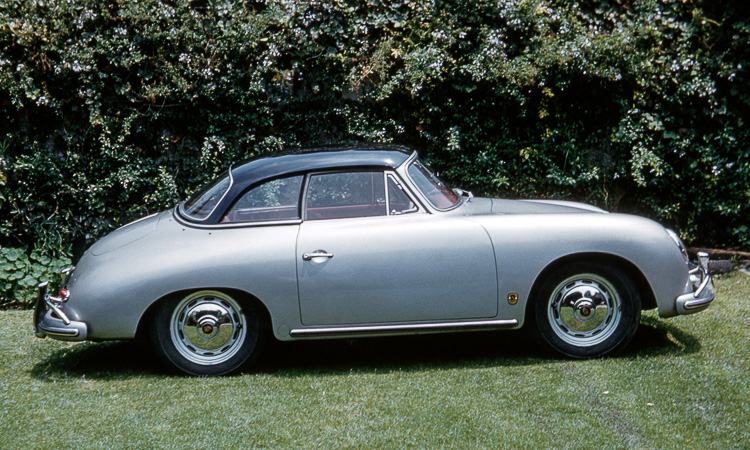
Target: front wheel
586, 310
207, 333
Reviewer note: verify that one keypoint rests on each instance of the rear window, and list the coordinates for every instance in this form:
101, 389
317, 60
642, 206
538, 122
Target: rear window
202, 204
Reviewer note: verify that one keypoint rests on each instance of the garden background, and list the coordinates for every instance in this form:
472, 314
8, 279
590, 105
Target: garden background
110, 110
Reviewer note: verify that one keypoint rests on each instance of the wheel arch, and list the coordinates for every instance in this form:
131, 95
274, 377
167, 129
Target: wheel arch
643, 287
243, 296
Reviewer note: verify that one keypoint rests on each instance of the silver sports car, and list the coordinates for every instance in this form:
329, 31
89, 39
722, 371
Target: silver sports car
367, 241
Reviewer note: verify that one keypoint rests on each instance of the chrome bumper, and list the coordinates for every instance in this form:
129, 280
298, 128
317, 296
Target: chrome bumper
703, 289
50, 320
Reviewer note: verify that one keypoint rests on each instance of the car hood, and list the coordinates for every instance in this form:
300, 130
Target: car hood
477, 206
540, 207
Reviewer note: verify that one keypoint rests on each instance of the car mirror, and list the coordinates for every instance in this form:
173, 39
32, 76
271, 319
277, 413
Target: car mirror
405, 211
462, 193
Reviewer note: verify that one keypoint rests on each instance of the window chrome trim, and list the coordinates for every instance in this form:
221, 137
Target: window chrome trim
406, 184
404, 188
422, 196
387, 194
239, 196
354, 169
178, 217
185, 216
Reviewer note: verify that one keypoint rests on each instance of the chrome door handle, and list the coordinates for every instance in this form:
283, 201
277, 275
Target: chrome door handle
317, 254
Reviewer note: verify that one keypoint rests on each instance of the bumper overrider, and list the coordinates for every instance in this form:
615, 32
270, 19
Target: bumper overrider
50, 319
703, 288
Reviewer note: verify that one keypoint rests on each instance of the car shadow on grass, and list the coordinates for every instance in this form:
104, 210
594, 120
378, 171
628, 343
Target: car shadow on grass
124, 359
403, 353
99, 360
659, 337
453, 350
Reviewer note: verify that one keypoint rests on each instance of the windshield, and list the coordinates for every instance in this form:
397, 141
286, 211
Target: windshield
433, 189
203, 202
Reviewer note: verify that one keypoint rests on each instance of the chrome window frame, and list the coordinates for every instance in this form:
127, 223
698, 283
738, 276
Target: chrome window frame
401, 185
184, 215
239, 196
306, 188
407, 185
403, 171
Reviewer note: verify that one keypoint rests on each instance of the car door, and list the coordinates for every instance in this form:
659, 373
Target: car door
367, 254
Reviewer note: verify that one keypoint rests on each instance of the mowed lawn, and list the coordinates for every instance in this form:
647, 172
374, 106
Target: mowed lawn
683, 382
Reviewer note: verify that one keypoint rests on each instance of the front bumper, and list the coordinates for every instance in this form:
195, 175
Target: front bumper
50, 320
703, 289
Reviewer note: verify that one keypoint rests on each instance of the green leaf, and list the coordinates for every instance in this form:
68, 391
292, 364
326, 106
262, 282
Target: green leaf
16, 275
28, 281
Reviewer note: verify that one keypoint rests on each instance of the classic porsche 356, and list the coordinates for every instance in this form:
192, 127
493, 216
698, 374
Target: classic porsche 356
365, 241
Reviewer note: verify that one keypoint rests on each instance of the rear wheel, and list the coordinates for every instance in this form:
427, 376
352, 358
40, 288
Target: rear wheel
207, 333
586, 310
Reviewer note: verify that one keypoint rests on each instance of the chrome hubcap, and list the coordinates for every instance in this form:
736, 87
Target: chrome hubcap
584, 310
208, 327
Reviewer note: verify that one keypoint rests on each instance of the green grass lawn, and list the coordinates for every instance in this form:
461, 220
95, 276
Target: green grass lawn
683, 382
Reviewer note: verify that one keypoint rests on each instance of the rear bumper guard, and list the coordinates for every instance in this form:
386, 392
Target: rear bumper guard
50, 320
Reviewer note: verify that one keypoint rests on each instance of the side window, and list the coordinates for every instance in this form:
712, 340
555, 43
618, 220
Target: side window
341, 195
398, 201
273, 200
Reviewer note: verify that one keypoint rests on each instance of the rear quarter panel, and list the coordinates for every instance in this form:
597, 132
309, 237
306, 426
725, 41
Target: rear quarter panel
111, 291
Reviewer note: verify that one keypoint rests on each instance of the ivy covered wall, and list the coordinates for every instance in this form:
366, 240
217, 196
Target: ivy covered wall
111, 109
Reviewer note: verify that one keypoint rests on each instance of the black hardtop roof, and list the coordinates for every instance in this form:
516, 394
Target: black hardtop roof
305, 159
277, 165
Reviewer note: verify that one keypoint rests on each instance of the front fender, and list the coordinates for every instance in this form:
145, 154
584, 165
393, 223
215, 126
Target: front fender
526, 245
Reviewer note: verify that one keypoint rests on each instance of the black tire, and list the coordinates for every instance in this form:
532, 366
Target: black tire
587, 310
207, 333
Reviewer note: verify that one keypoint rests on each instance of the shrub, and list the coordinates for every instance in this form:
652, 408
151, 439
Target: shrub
111, 110
20, 274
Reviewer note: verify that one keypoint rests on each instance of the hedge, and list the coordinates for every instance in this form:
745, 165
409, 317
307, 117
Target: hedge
113, 109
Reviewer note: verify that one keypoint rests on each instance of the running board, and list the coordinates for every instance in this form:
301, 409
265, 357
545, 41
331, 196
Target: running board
404, 329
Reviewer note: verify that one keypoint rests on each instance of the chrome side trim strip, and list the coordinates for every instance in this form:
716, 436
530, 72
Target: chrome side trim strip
406, 328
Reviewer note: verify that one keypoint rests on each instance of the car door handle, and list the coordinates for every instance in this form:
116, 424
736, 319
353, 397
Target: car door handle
317, 254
